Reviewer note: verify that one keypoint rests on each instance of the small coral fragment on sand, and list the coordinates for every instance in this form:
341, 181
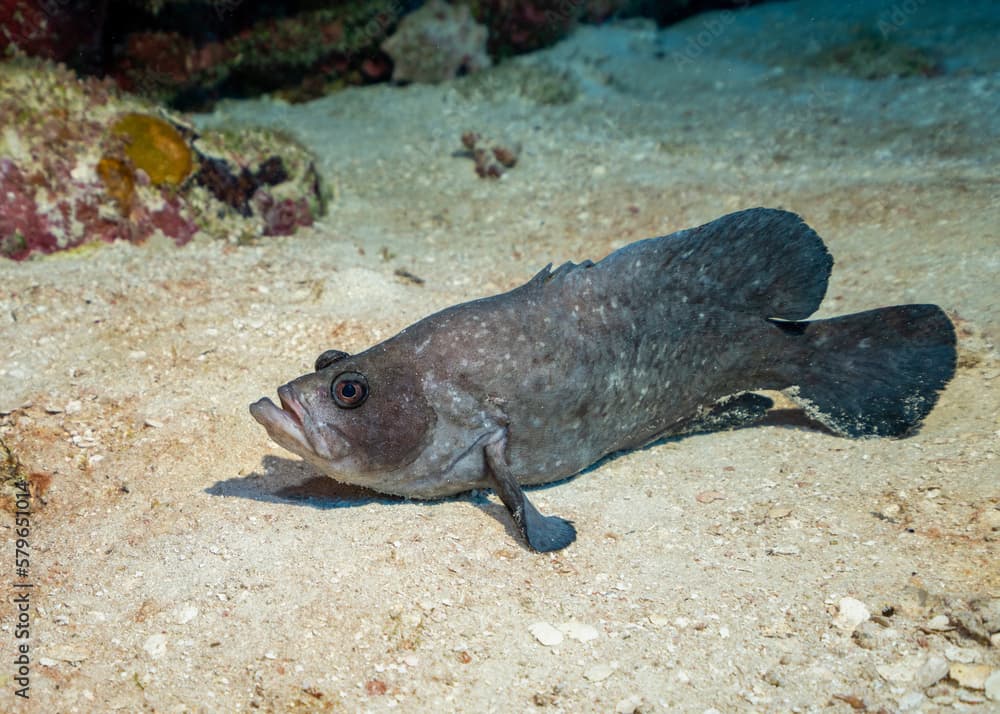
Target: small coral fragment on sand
491, 158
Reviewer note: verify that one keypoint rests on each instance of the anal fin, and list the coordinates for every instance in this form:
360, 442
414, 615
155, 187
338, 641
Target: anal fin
732, 412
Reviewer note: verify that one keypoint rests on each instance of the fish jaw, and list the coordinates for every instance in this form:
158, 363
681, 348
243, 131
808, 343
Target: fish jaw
286, 425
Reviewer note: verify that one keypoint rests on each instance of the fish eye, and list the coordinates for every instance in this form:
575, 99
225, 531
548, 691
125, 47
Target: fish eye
349, 390
328, 358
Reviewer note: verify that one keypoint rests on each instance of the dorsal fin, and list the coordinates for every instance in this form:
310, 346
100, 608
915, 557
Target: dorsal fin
762, 260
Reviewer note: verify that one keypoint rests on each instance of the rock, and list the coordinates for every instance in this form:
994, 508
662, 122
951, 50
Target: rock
989, 611
546, 634
992, 686
579, 631
851, 613
991, 519
184, 615
902, 672
970, 625
867, 635
436, 43
966, 655
709, 496
914, 601
891, 510
599, 672
772, 678
939, 623
940, 693
933, 670
156, 645
970, 676
911, 701
630, 705
967, 697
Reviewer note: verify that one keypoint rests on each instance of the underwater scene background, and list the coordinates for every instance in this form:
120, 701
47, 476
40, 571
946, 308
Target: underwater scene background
198, 197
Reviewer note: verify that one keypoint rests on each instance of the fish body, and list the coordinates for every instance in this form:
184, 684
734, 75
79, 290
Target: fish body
665, 336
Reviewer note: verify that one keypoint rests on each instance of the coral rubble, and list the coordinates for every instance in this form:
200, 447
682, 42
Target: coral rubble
436, 43
491, 158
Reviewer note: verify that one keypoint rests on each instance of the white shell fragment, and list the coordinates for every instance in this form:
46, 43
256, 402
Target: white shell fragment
546, 634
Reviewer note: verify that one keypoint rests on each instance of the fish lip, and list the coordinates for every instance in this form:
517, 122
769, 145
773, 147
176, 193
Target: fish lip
286, 425
290, 405
283, 425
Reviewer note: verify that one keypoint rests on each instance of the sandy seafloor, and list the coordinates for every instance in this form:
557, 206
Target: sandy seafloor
183, 562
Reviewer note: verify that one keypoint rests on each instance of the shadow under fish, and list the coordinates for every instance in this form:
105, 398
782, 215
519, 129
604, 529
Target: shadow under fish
665, 336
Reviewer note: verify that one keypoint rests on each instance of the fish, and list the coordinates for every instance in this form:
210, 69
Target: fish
664, 337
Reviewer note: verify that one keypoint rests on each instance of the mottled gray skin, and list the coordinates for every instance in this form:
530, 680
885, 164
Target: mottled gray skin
538, 383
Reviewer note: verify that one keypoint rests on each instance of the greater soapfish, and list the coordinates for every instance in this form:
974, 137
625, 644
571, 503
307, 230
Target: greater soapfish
665, 336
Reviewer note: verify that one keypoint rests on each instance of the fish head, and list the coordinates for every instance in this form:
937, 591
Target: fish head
357, 418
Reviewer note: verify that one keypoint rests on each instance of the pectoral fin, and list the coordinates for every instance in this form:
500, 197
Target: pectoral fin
542, 533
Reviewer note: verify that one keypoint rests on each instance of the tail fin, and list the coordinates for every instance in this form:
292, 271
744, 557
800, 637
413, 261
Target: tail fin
874, 373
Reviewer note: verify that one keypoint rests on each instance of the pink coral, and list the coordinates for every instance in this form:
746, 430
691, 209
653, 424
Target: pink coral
282, 217
173, 221
22, 230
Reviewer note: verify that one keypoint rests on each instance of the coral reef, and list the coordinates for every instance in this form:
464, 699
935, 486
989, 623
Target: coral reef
436, 43
190, 53
491, 158
517, 26
301, 53
82, 162
55, 29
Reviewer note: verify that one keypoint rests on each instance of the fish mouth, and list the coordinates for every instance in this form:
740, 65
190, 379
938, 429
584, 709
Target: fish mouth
290, 405
285, 424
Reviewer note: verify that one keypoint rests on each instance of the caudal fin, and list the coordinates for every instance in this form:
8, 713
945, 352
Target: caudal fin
874, 373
